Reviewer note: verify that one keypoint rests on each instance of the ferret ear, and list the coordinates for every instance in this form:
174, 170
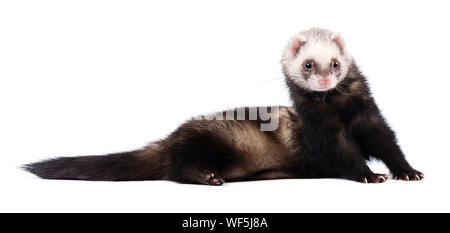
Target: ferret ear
337, 38
297, 42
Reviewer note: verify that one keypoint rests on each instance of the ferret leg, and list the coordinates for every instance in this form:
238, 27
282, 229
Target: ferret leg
377, 140
200, 158
336, 157
341, 159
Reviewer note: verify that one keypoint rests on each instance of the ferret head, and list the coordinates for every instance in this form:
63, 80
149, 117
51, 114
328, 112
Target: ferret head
316, 60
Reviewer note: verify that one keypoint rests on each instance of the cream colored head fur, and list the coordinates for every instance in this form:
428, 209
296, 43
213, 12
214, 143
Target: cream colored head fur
310, 58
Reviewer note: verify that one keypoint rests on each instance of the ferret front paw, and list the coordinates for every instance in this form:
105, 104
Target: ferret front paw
373, 178
409, 175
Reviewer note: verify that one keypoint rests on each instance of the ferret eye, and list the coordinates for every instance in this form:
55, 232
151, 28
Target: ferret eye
335, 64
308, 65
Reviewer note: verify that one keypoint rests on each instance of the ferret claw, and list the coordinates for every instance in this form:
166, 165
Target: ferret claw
212, 179
409, 175
374, 178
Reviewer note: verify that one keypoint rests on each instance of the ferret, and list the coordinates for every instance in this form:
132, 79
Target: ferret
333, 127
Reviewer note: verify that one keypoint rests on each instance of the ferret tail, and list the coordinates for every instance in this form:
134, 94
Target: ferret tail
112, 167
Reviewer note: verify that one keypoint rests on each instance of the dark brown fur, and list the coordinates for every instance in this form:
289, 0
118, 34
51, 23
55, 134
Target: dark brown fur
324, 135
343, 128
234, 149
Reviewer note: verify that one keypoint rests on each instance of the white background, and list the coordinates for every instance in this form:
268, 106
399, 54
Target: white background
95, 77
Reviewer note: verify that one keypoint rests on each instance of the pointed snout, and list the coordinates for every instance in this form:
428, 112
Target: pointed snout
324, 82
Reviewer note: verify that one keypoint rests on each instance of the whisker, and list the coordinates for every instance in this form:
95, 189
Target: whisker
268, 80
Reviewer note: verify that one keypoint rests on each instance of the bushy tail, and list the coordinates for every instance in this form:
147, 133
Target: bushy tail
112, 167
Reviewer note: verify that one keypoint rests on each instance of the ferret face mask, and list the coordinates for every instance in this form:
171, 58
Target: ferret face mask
316, 60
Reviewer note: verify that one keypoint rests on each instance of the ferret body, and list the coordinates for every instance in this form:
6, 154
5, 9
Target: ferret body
332, 129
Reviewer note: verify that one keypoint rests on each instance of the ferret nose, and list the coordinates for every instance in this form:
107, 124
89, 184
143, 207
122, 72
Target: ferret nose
324, 82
